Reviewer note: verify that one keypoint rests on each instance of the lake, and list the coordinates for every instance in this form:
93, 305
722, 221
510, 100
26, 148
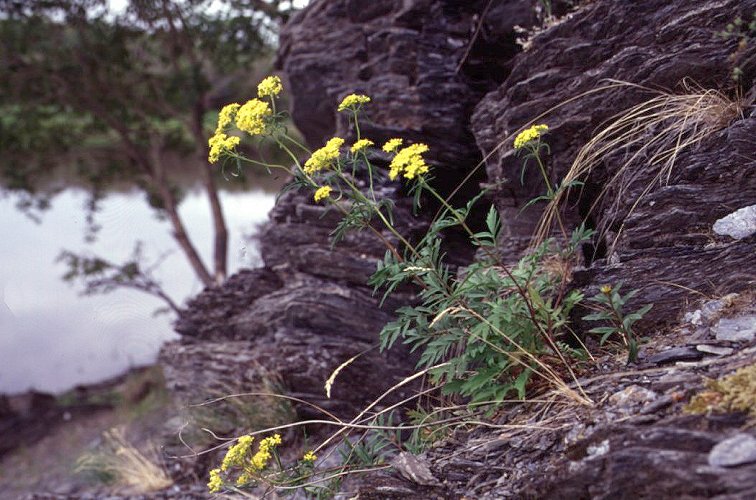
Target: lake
51, 338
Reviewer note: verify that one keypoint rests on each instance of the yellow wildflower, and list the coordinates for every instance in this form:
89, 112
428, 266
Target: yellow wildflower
324, 157
409, 161
271, 441
221, 143
529, 134
244, 478
353, 102
216, 483
235, 455
607, 289
310, 457
226, 116
260, 460
251, 117
392, 145
322, 193
270, 86
360, 145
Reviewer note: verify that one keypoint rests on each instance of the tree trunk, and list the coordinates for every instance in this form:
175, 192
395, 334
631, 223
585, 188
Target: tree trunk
153, 170
220, 249
220, 231
180, 234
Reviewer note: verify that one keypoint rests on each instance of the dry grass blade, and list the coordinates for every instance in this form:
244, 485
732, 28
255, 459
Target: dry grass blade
654, 131
125, 464
330, 381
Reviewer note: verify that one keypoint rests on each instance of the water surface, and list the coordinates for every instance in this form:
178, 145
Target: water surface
51, 338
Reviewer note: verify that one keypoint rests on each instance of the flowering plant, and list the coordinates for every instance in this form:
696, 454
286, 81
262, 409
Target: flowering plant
476, 312
483, 333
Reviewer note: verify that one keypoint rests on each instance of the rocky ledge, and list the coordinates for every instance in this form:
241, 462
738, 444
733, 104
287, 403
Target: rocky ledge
452, 74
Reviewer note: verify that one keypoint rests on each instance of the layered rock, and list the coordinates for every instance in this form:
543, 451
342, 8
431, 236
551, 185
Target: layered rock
297, 319
427, 64
638, 439
665, 244
424, 63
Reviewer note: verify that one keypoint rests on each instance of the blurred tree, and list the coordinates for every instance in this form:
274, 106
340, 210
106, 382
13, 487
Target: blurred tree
149, 76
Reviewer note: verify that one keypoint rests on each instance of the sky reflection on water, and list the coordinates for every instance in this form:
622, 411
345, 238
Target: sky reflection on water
50, 337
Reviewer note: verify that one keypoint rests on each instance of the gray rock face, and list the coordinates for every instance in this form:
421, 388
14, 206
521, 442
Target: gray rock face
206, 316
428, 64
665, 243
739, 224
298, 318
738, 329
425, 68
738, 450
416, 59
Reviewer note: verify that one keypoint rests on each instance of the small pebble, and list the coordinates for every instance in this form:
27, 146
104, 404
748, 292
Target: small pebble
713, 349
632, 396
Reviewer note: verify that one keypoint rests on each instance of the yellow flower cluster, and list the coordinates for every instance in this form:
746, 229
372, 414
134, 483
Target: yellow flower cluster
270, 86
353, 101
529, 134
216, 483
251, 117
409, 161
606, 289
310, 456
322, 193
234, 458
260, 460
226, 116
392, 145
221, 143
235, 455
360, 145
244, 478
324, 157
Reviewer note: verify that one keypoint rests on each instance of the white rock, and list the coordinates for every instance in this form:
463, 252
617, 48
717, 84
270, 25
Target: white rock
737, 450
712, 349
694, 318
739, 224
596, 450
738, 329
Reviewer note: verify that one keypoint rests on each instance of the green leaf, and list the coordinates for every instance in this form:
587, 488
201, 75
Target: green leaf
597, 316
603, 329
520, 383
492, 222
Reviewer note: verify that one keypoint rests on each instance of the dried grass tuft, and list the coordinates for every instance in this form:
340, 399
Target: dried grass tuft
122, 463
654, 131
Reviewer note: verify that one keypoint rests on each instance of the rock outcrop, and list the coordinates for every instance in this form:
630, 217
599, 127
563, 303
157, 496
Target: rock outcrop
637, 440
665, 245
449, 73
296, 319
424, 63
308, 309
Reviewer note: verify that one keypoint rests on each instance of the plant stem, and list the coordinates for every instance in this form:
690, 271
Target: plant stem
289, 152
356, 124
549, 188
298, 144
380, 215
